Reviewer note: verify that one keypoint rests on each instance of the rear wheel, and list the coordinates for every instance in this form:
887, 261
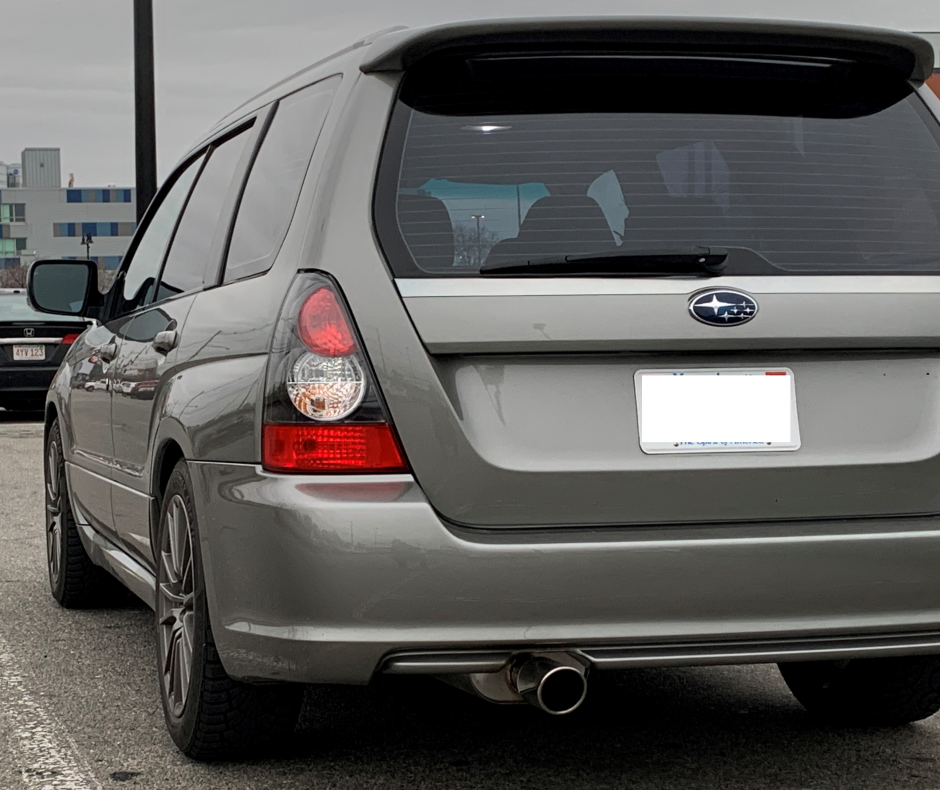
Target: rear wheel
209, 715
871, 691
76, 582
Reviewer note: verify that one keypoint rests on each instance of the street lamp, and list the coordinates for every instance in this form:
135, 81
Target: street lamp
478, 217
87, 240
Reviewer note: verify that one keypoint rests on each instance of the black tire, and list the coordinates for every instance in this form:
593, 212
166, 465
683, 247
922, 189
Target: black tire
867, 692
76, 582
214, 716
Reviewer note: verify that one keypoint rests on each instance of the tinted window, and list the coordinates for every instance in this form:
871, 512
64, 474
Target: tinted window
144, 327
189, 250
795, 167
275, 180
137, 288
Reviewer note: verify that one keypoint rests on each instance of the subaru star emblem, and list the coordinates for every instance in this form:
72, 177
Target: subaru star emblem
29, 332
722, 307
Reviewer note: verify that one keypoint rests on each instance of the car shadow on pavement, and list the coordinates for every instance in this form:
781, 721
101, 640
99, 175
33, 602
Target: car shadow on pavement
656, 728
706, 727
20, 416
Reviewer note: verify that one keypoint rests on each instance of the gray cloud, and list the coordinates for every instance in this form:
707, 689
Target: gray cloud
66, 73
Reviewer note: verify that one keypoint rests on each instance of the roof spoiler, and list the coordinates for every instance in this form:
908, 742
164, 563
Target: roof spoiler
909, 56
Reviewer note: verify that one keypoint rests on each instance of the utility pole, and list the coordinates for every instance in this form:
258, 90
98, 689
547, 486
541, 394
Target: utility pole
145, 120
479, 255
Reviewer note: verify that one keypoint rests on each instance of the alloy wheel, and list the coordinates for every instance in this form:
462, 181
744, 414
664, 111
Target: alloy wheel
175, 605
54, 515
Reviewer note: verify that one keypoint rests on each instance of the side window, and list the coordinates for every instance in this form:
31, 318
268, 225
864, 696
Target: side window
275, 180
137, 288
189, 250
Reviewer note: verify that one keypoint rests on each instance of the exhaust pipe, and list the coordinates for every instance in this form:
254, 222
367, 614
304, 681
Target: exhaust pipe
550, 685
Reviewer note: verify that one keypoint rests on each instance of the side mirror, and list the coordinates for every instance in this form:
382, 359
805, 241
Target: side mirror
64, 287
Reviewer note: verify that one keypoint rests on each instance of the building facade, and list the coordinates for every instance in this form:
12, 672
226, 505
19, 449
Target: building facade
42, 220
41, 167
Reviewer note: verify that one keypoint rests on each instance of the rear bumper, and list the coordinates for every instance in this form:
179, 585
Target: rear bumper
331, 579
26, 380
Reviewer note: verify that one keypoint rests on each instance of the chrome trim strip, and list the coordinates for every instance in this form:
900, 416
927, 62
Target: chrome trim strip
98, 459
612, 286
120, 564
130, 471
110, 465
445, 663
762, 652
30, 341
759, 651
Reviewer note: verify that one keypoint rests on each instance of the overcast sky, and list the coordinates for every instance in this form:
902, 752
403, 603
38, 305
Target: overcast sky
66, 66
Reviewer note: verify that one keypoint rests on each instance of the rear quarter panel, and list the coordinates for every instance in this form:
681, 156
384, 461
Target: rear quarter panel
218, 399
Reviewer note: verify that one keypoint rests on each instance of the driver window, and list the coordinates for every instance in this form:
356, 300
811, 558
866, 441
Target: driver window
137, 288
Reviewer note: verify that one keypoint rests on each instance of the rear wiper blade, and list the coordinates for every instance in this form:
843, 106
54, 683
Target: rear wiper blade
695, 261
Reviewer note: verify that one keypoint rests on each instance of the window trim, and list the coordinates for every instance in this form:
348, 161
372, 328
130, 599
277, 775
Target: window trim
112, 297
242, 128
218, 256
268, 121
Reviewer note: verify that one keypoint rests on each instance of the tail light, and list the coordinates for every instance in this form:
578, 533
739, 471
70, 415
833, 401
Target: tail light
323, 411
337, 448
69, 339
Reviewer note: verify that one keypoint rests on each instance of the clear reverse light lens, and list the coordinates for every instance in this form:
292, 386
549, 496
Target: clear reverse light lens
326, 388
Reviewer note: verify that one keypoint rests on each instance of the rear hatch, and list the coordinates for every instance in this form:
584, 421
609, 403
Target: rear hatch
811, 171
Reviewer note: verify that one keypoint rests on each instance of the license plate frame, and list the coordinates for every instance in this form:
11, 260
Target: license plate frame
28, 353
764, 405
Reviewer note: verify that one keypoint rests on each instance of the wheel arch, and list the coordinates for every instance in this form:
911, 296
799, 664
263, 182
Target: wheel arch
170, 448
52, 414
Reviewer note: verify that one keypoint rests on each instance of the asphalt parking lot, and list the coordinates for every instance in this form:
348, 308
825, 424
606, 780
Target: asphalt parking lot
79, 709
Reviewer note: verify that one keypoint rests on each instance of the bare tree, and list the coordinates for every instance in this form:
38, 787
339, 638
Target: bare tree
470, 247
105, 277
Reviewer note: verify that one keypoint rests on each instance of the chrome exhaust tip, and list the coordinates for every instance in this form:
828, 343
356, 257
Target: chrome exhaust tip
550, 685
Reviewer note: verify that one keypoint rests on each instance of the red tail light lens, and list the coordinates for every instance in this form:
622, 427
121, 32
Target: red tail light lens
69, 339
323, 326
323, 411
304, 447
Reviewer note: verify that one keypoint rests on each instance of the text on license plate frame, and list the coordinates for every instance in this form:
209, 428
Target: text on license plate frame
28, 353
717, 410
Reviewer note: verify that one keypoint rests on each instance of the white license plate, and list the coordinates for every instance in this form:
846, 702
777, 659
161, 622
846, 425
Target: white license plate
29, 353
717, 410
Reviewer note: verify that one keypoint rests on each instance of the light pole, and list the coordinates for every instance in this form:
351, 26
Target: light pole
145, 118
478, 217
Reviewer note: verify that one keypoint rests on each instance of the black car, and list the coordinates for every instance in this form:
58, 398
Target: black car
32, 345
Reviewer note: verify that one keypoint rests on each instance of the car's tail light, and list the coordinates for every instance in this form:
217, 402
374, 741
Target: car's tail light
323, 326
69, 339
332, 448
323, 411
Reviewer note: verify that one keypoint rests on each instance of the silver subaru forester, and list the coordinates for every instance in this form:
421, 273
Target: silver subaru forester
511, 351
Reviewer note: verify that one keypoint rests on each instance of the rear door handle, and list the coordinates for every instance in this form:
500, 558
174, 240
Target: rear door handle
165, 341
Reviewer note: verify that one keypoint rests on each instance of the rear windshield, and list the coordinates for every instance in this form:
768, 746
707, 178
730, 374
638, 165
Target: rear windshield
810, 167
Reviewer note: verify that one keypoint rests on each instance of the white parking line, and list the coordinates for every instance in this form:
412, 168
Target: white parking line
46, 756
